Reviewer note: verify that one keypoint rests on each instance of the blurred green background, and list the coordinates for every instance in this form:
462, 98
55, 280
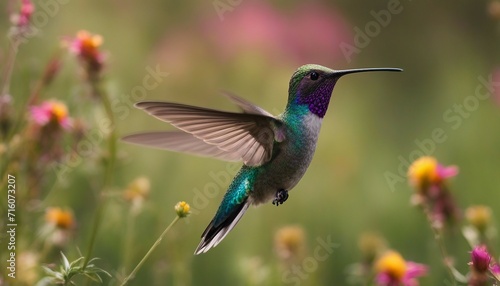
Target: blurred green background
252, 48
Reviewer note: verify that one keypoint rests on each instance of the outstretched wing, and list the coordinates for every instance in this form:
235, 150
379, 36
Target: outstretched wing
180, 141
249, 137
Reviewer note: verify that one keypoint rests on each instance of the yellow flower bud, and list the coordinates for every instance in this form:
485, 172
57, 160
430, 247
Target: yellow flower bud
182, 209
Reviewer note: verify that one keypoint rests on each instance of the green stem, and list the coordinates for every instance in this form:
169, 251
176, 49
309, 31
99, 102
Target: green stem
95, 228
132, 274
9, 66
439, 240
129, 239
108, 173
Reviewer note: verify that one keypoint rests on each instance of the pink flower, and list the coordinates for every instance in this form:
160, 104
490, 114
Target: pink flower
427, 171
393, 270
495, 271
309, 32
86, 47
51, 111
480, 259
27, 9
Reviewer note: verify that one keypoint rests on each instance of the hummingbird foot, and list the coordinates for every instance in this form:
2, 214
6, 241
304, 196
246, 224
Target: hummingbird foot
281, 197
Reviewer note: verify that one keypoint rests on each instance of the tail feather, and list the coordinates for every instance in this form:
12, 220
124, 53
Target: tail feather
215, 233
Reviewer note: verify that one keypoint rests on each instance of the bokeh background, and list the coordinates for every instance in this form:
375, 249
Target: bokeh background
252, 48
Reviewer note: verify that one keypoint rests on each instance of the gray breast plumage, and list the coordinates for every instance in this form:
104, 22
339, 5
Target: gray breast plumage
291, 161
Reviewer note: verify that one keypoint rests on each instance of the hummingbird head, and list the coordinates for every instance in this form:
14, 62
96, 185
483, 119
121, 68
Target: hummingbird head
312, 85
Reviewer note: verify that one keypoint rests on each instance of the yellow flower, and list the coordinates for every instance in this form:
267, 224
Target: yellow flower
426, 171
60, 218
290, 242
478, 216
59, 110
391, 269
392, 264
182, 209
138, 189
423, 171
87, 45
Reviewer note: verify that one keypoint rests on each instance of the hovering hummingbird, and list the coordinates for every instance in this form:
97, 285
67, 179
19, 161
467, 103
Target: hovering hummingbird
276, 150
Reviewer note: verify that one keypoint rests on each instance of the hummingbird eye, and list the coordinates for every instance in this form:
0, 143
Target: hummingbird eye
314, 76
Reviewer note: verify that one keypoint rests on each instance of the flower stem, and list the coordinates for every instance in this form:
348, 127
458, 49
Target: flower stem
442, 248
108, 173
9, 65
157, 242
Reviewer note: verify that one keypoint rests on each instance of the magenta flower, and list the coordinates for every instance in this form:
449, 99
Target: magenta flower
51, 111
480, 259
86, 47
310, 31
495, 270
27, 9
427, 171
393, 270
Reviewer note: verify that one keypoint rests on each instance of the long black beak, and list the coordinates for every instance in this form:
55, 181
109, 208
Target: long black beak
340, 73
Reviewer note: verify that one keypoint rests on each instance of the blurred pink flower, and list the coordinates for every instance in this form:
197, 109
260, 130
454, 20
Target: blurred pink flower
51, 111
426, 172
495, 270
27, 9
480, 259
309, 32
393, 270
86, 47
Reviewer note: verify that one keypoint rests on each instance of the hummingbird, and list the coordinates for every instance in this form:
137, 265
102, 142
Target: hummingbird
275, 150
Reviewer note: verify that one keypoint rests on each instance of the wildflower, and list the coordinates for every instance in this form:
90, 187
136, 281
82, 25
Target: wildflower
261, 27
426, 172
392, 269
51, 111
138, 189
27, 9
86, 47
428, 177
290, 243
495, 270
479, 217
59, 226
480, 259
481, 265
182, 209
62, 219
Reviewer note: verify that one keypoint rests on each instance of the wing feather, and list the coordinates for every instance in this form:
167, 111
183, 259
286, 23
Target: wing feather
248, 136
179, 141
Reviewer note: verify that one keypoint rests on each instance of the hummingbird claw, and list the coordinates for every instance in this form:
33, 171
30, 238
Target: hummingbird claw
281, 197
